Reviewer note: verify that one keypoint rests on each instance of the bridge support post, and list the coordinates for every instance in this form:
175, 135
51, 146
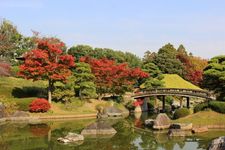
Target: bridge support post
188, 102
163, 103
181, 102
144, 107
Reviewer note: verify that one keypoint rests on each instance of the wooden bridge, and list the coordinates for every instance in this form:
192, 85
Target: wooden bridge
174, 92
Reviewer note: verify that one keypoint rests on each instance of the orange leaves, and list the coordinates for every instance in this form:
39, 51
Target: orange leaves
114, 77
47, 62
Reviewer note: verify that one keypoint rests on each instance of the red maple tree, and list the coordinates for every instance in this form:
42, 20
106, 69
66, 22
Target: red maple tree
193, 67
47, 62
111, 77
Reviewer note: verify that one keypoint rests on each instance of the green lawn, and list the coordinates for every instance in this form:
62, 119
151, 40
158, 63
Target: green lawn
203, 118
175, 81
10, 85
24, 91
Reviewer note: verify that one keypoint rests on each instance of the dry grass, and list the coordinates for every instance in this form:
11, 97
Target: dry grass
203, 118
175, 81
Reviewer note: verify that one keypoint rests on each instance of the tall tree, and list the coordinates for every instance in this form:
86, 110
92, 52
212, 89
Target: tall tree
167, 62
84, 81
214, 76
149, 57
193, 66
9, 39
47, 62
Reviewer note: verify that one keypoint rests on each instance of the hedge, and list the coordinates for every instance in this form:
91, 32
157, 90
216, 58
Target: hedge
200, 107
217, 106
182, 112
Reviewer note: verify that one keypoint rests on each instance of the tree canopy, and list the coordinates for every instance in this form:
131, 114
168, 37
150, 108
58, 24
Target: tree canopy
98, 53
214, 76
47, 62
167, 62
113, 78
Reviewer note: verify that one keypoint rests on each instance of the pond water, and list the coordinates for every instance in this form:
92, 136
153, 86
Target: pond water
43, 136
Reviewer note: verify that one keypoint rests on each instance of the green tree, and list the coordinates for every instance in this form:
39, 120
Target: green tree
155, 76
149, 57
167, 62
80, 51
181, 50
9, 39
118, 56
214, 76
84, 81
12, 43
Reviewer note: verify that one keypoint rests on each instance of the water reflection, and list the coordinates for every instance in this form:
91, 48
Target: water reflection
14, 136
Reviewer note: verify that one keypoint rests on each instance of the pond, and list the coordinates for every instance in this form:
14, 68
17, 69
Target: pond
43, 136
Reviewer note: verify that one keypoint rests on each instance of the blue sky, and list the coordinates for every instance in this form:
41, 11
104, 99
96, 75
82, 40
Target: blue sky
127, 25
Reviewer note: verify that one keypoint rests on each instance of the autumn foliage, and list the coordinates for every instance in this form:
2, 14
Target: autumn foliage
4, 69
47, 62
193, 67
138, 102
111, 77
39, 105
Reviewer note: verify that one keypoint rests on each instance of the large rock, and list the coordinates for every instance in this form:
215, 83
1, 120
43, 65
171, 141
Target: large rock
2, 111
149, 122
200, 129
112, 111
20, 114
98, 128
71, 137
217, 144
162, 121
182, 126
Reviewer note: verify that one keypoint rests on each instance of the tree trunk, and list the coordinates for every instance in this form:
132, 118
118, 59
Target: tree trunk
50, 85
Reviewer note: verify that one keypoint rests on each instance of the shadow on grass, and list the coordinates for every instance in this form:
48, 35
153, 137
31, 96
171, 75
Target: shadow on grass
32, 91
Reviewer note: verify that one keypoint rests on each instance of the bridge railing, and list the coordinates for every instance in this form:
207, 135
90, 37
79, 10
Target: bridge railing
193, 92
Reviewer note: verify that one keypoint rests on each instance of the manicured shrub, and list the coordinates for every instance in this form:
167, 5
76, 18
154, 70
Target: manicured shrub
39, 105
200, 107
182, 112
217, 106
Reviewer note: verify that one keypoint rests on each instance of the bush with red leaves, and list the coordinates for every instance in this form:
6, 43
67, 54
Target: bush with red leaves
39, 105
138, 102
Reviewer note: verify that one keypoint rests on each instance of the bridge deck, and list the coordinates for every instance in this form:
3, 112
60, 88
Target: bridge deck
174, 91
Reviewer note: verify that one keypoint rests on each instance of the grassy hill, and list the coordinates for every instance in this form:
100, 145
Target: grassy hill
175, 81
204, 118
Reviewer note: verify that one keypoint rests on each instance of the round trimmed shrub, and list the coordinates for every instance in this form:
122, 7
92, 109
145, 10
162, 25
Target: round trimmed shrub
217, 106
39, 105
182, 112
200, 107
